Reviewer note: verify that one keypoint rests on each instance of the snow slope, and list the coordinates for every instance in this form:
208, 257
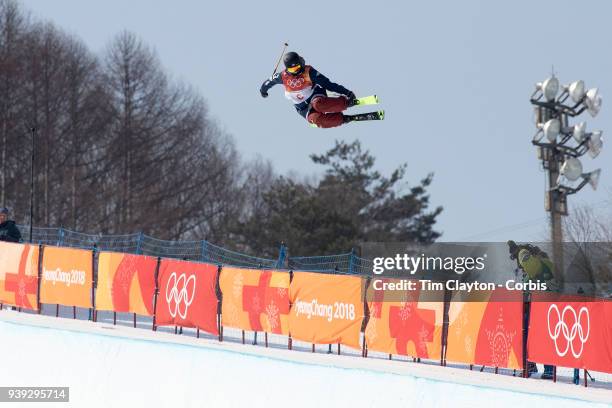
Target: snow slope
112, 366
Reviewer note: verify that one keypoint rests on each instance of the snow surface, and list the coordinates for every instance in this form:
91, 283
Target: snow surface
114, 366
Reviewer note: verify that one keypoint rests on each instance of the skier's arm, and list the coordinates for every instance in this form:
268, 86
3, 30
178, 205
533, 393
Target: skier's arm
320, 79
269, 83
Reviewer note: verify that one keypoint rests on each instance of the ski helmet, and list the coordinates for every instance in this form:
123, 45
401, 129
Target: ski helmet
293, 60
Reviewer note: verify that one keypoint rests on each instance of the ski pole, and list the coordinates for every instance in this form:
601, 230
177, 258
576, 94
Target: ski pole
280, 58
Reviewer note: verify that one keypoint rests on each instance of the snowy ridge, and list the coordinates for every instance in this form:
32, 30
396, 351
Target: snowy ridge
108, 365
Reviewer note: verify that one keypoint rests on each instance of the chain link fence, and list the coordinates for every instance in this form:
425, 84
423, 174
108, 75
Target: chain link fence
203, 251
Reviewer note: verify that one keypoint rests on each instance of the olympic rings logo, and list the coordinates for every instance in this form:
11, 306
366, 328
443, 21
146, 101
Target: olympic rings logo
179, 294
294, 83
569, 332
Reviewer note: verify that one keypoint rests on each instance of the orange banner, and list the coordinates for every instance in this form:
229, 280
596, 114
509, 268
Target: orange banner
326, 309
19, 275
126, 283
255, 300
66, 276
405, 326
486, 331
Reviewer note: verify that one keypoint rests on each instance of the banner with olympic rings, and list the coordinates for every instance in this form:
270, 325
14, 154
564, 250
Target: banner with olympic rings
187, 295
570, 331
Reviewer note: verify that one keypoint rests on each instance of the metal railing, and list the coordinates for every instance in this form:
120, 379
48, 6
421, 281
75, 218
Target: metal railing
204, 251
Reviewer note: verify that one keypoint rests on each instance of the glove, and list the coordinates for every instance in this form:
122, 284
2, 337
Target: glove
351, 98
263, 93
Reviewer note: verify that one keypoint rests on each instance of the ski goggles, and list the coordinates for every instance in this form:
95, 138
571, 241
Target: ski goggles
294, 69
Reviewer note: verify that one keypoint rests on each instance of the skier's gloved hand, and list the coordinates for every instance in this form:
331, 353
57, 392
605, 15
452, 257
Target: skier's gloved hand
351, 98
263, 93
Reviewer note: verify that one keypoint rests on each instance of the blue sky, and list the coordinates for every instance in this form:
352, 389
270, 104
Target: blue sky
454, 78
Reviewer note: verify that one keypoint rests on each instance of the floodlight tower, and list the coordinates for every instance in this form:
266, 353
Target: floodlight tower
560, 146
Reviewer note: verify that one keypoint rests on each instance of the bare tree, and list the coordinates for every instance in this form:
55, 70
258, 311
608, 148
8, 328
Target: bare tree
13, 27
589, 233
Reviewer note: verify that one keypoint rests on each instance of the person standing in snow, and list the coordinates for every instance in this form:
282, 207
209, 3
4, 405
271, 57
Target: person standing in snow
536, 266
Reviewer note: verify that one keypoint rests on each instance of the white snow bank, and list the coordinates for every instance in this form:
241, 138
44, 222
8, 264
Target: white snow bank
109, 366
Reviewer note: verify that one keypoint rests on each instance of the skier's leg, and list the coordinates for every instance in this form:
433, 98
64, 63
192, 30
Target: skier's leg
325, 120
329, 105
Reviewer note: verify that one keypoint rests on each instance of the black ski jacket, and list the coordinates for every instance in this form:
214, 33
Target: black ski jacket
9, 232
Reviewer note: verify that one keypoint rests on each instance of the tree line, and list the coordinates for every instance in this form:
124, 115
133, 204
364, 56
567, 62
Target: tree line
120, 148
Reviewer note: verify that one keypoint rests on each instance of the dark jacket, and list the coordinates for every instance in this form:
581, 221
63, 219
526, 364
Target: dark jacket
9, 232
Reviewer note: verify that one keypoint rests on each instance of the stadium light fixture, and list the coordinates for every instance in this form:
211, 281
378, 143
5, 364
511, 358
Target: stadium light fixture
576, 90
549, 88
550, 129
571, 169
578, 131
595, 143
593, 178
593, 101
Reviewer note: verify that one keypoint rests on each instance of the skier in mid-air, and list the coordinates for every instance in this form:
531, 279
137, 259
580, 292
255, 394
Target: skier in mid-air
307, 89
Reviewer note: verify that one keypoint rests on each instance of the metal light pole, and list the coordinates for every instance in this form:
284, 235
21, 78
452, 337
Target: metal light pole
33, 131
559, 154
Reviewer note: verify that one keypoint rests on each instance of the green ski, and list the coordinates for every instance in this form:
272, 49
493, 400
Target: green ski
367, 100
